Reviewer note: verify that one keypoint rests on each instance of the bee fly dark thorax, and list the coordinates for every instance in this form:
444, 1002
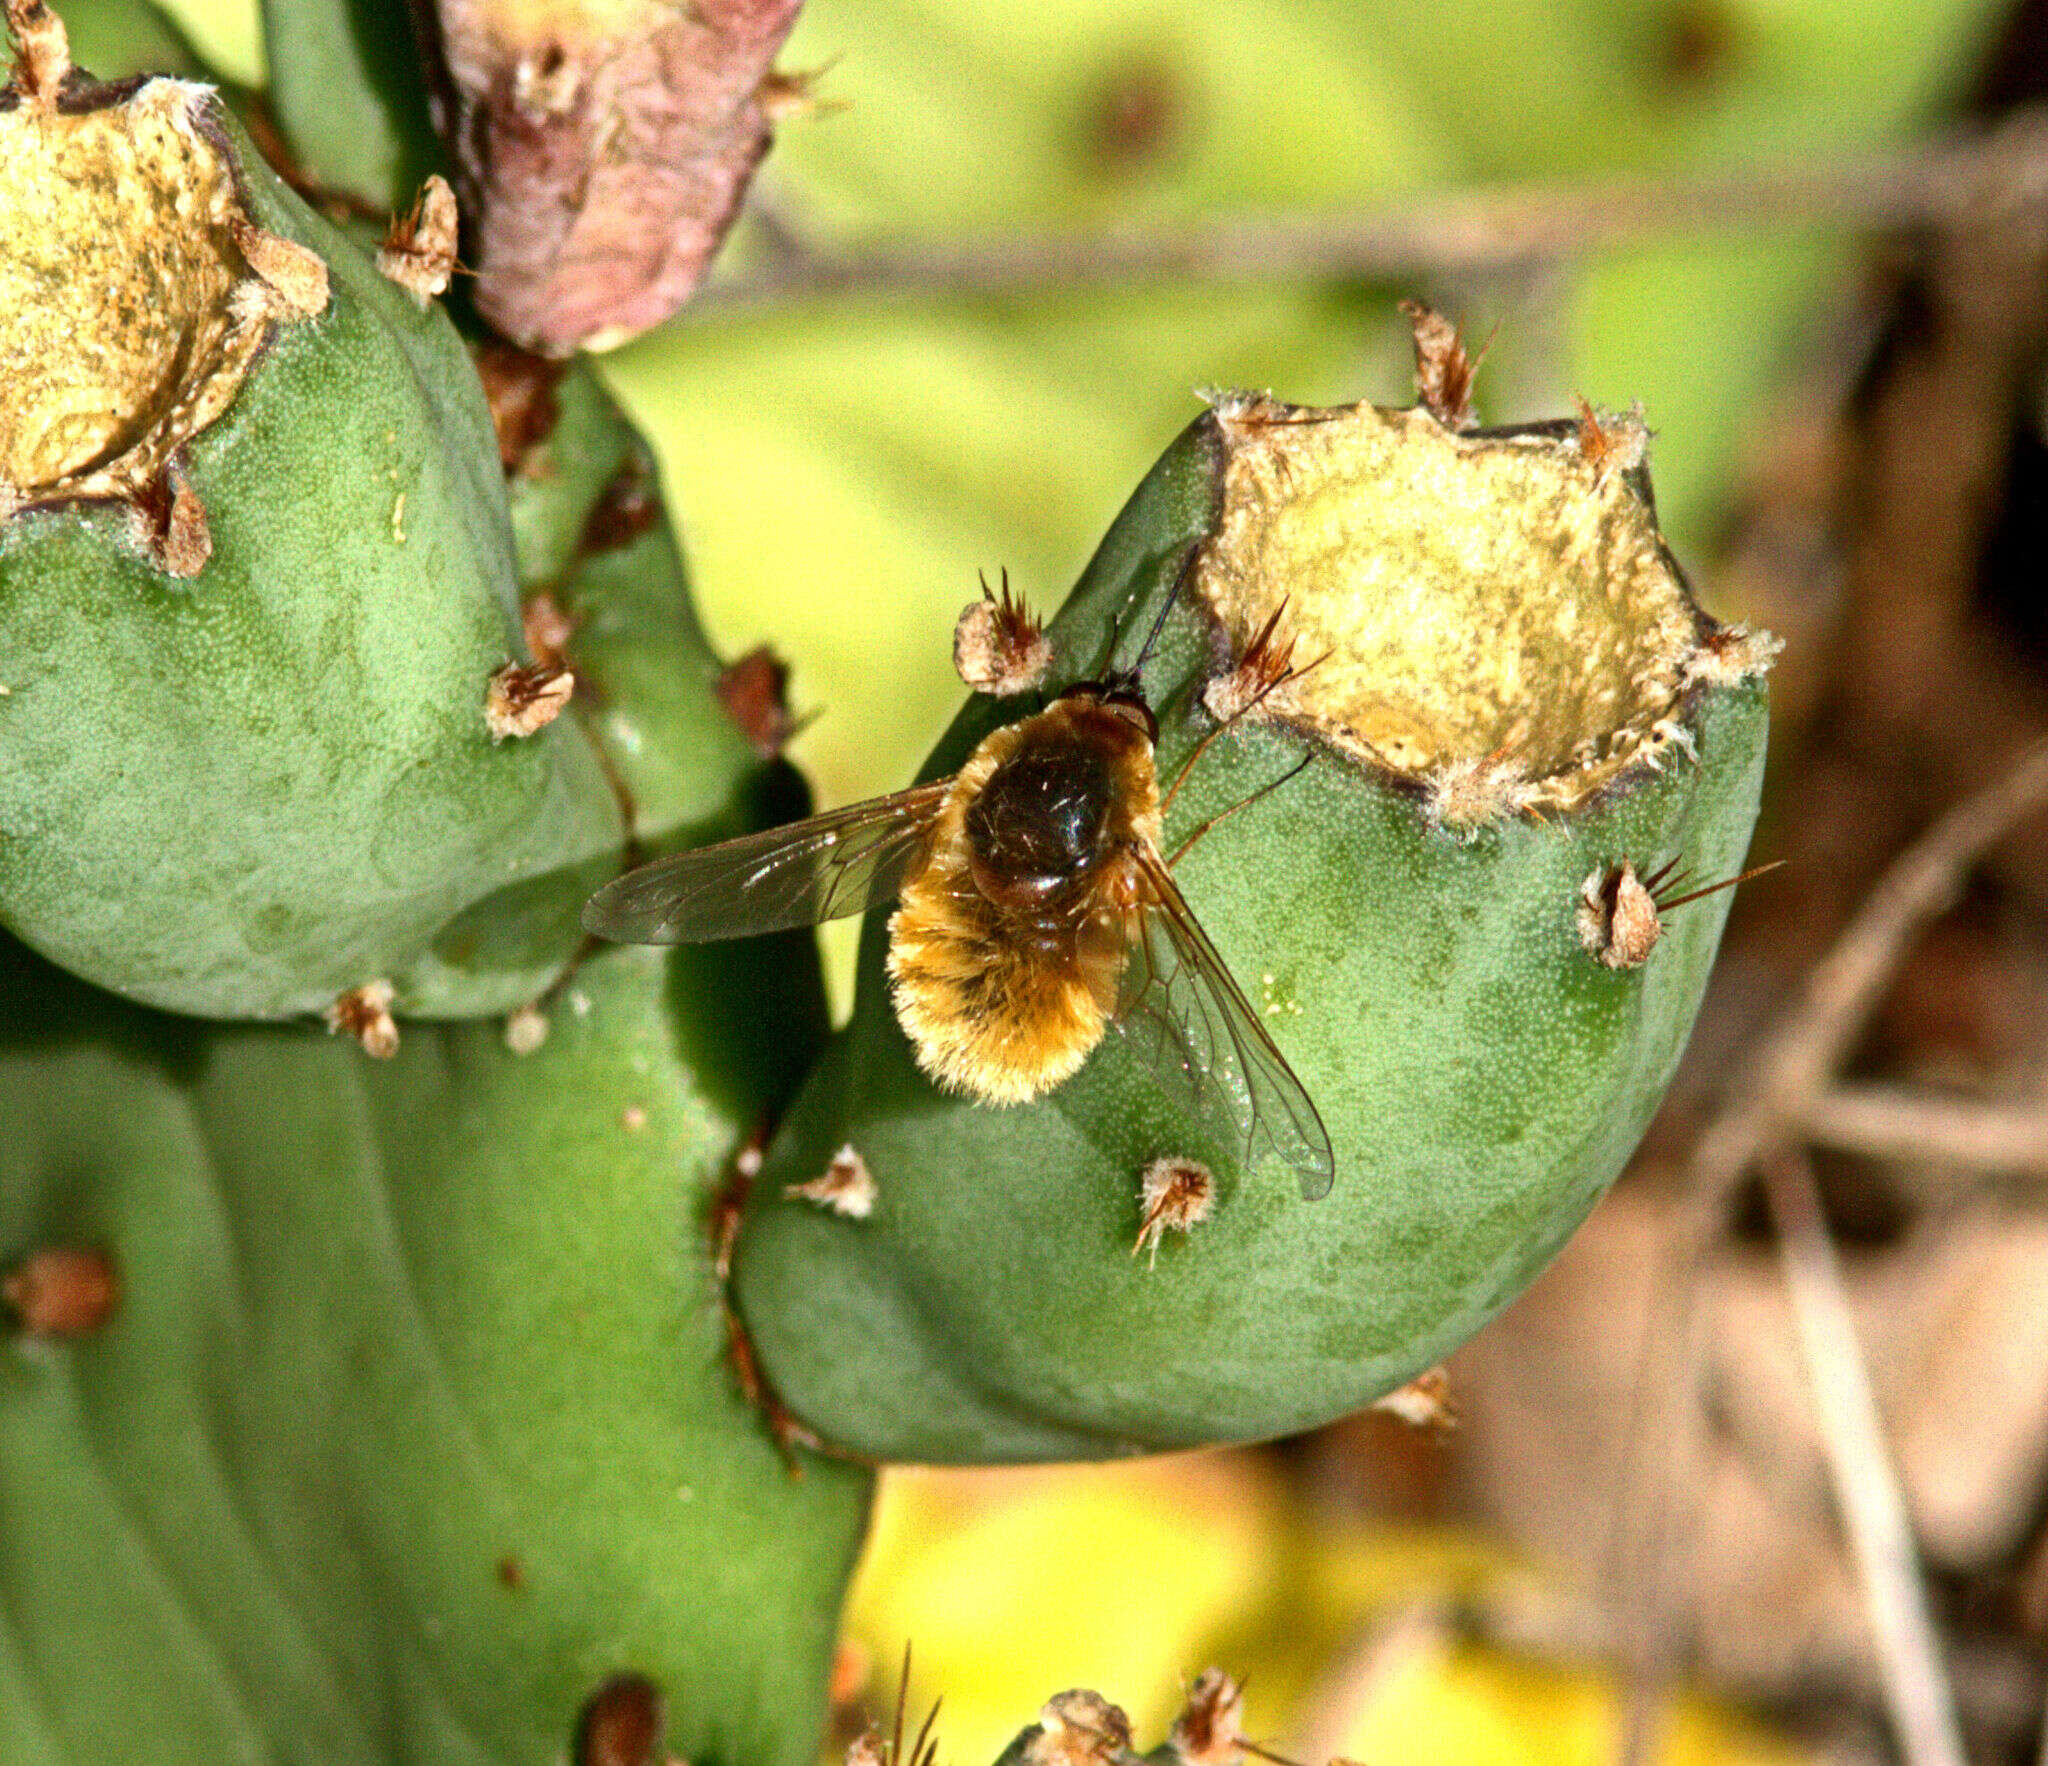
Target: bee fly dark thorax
1040, 828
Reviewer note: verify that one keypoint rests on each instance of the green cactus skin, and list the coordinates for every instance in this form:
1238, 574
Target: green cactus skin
1482, 1077
646, 680
244, 793
414, 1423
591, 531
347, 90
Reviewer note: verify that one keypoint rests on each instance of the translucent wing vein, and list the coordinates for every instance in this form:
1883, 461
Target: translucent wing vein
824, 868
1181, 1007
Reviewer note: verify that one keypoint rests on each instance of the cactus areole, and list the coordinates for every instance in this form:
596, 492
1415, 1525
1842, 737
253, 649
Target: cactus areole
1509, 684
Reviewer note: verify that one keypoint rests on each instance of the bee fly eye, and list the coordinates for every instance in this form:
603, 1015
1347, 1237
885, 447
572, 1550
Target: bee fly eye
1134, 708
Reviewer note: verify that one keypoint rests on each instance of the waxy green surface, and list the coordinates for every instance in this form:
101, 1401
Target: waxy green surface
240, 794
415, 1421
1482, 1077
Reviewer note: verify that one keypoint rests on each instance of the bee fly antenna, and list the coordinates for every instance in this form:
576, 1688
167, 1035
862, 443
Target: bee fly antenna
1137, 667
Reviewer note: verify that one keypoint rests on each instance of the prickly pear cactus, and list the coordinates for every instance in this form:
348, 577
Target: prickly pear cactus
394, 1411
1515, 695
256, 588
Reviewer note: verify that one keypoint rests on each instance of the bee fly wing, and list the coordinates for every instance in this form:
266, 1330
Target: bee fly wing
1180, 1003
801, 875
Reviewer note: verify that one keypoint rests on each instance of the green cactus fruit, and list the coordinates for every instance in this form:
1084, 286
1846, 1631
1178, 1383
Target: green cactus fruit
257, 589
411, 1426
1513, 695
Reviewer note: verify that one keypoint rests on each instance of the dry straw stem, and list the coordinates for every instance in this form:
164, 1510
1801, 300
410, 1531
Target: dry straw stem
1486, 231
1894, 1122
1916, 1687
1798, 1060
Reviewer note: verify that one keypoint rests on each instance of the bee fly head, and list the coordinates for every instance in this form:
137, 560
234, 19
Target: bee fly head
1118, 692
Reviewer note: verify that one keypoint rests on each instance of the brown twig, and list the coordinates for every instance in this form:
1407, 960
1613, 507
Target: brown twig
1916, 1688
1893, 1122
1478, 232
1799, 1058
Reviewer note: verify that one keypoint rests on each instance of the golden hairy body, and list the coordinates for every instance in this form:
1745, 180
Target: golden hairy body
1010, 942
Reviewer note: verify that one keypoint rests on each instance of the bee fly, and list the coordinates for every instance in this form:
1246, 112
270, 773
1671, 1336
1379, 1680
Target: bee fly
1036, 912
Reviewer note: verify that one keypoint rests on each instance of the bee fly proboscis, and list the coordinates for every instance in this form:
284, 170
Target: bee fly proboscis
1036, 912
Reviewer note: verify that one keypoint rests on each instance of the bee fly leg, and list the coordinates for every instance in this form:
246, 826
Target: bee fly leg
727, 1209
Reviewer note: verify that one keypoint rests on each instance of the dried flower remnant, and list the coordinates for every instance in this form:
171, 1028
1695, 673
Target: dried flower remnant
547, 627
999, 647
419, 251
621, 1724
525, 1030
1443, 371
1424, 1403
62, 1291
42, 52
846, 1186
1175, 1195
753, 691
604, 149
519, 389
365, 1013
139, 292
1078, 1728
526, 697
1209, 1730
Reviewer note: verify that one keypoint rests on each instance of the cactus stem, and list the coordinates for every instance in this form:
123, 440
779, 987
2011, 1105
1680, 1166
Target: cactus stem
42, 58
526, 1029
621, 1724
418, 252
1176, 1195
1444, 373
365, 1013
62, 1291
1423, 1403
846, 1186
525, 698
999, 645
